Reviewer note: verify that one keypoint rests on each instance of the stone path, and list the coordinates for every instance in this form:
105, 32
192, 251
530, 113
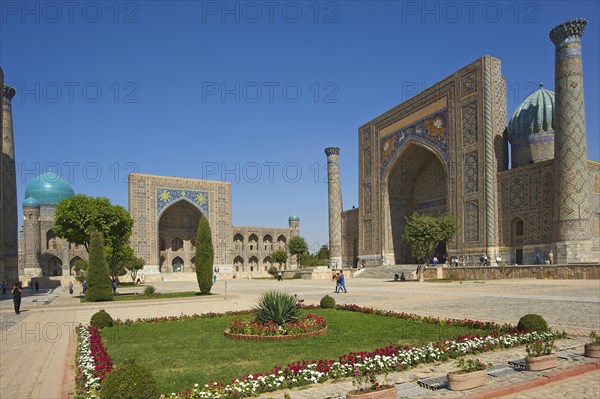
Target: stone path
36, 346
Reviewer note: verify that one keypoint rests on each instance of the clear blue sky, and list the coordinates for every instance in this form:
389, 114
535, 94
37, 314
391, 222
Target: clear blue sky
252, 92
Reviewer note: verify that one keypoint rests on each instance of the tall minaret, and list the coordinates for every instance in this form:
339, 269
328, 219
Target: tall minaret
571, 213
335, 207
9, 188
32, 238
2, 276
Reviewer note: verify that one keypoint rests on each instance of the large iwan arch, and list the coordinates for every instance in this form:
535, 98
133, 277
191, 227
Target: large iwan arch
417, 181
178, 227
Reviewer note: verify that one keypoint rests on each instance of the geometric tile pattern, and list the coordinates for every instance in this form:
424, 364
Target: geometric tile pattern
471, 222
488, 155
517, 193
533, 195
469, 115
335, 206
367, 162
9, 181
166, 196
468, 83
431, 131
471, 173
532, 230
571, 201
547, 188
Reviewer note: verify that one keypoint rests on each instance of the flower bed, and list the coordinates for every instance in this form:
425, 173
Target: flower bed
93, 362
391, 358
306, 325
380, 360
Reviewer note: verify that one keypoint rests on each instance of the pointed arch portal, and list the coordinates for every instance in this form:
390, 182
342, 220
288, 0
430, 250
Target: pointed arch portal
177, 229
416, 182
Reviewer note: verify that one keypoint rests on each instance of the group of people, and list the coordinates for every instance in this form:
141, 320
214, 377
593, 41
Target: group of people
340, 282
549, 259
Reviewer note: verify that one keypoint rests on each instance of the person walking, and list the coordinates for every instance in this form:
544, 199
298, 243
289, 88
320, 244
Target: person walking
17, 291
341, 283
37, 286
4, 287
84, 286
336, 278
551, 257
114, 287
71, 287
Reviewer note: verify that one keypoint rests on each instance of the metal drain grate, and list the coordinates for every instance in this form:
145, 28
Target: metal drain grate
434, 383
502, 370
518, 364
408, 390
570, 354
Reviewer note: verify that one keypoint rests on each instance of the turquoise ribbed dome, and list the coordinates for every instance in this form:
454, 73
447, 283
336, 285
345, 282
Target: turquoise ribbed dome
48, 189
294, 218
31, 202
535, 115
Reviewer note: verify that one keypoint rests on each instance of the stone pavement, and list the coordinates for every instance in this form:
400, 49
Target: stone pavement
36, 347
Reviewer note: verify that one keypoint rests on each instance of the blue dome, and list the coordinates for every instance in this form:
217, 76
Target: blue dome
294, 218
535, 115
31, 202
48, 189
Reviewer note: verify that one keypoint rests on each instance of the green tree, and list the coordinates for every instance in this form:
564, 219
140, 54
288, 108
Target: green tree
297, 246
134, 265
204, 257
78, 216
424, 232
323, 252
80, 269
279, 256
98, 277
123, 261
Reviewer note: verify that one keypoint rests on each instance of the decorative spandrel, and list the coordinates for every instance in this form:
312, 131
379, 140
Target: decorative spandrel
431, 130
166, 196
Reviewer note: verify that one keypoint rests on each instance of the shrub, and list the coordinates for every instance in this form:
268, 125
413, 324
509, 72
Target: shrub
272, 271
532, 322
149, 290
539, 348
297, 276
278, 307
129, 381
101, 319
98, 275
470, 365
204, 257
327, 302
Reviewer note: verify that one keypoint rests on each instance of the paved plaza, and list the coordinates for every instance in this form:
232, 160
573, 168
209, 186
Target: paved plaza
37, 346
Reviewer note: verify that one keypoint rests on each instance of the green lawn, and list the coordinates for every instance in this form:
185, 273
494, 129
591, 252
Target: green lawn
168, 295
180, 354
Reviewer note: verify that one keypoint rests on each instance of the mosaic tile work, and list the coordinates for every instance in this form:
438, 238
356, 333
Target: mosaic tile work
431, 130
166, 196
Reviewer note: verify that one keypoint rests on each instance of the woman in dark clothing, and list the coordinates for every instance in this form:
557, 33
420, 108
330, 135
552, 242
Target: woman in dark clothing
16, 291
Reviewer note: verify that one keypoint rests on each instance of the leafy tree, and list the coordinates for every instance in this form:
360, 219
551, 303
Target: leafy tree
78, 216
124, 260
279, 256
134, 265
424, 232
79, 269
98, 277
323, 252
297, 246
204, 257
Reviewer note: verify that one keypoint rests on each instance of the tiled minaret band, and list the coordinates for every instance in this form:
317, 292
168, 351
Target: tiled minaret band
571, 213
9, 187
335, 207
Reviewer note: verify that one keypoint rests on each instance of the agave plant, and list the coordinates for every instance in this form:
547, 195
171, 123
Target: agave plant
277, 307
